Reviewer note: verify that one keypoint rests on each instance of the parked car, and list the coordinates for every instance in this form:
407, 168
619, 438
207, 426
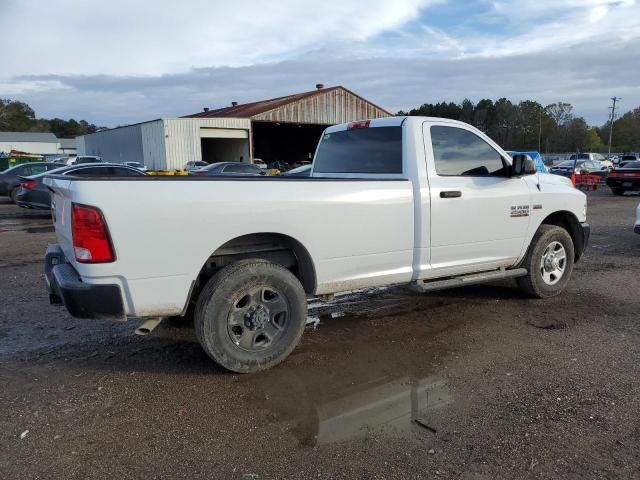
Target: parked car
194, 165
379, 209
10, 179
630, 157
594, 157
81, 159
260, 163
34, 193
302, 171
625, 179
570, 167
636, 227
137, 165
228, 169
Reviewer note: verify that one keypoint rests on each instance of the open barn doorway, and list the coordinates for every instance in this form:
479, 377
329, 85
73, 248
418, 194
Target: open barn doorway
288, 144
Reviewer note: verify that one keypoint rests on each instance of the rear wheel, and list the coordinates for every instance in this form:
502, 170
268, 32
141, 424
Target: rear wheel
549, 262
250, 315
14, 194
617, 190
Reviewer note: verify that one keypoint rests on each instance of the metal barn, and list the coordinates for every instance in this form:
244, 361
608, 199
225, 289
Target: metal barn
284, 129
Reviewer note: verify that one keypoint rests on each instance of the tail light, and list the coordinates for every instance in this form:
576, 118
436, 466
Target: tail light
29, 185
200, 174
91, 240
360, 124
613, 173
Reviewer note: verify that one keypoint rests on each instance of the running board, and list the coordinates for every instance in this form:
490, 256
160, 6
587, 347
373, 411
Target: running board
463, 280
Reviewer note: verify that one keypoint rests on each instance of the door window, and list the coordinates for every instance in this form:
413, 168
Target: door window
459, 152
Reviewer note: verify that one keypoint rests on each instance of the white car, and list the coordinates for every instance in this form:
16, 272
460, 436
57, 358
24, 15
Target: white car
636, 228
260, 163
429, 202
595, 157
194, 164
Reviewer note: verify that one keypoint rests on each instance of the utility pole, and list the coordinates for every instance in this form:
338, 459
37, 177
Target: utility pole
613, 117
540, 132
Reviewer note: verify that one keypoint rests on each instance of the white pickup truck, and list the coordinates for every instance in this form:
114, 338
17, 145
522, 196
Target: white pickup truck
429, 202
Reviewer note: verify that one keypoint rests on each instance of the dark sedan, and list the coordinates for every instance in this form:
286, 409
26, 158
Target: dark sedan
10, 179
34, 193
624, 179
303, 171
568, 168
234, 169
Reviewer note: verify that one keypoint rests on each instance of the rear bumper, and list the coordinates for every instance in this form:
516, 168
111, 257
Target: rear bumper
626, 183
82, 300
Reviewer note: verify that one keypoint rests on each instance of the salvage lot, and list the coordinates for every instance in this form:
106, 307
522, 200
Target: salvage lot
472, 383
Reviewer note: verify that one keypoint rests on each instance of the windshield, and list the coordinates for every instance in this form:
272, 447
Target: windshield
569, 163
629, 157
635, 164
361, 150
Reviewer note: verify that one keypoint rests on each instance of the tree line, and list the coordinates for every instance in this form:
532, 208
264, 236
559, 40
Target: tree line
528, 125
17, 116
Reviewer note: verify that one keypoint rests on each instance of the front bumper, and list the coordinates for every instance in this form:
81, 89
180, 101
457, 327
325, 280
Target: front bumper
82, 300
581, 247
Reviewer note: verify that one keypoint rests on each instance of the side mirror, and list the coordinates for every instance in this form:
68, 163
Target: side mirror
523, 165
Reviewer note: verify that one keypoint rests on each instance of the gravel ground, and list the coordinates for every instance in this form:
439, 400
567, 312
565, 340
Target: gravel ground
389, 384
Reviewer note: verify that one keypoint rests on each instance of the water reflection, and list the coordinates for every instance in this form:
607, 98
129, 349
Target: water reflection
403, 405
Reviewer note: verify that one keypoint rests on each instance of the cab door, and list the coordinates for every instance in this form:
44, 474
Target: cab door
479, 214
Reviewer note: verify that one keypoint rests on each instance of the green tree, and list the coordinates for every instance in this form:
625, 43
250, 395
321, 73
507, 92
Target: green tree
16, 116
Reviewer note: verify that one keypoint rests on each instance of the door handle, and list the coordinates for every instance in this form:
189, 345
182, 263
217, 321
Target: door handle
450, 194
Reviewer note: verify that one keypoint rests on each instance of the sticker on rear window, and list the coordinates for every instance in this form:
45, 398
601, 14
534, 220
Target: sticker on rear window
327, 136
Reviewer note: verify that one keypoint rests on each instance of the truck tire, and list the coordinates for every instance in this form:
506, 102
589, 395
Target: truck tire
250, 315
617, 190
549, 262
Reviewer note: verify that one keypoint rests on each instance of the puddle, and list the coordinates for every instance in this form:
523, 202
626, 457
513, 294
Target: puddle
27, 225
405, 406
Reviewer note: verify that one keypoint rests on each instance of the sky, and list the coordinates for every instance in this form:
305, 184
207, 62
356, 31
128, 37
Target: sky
120, 62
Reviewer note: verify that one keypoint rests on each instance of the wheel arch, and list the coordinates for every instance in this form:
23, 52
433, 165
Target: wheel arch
571, 224
275, 247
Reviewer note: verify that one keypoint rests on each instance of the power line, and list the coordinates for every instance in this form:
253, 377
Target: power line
613, 117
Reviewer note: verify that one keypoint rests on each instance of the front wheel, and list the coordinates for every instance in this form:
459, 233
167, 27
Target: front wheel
549, 262
250, 315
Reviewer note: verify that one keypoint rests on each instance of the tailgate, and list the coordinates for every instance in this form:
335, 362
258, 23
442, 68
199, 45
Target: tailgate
61, 200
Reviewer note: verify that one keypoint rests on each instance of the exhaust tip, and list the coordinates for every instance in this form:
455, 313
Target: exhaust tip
148, 326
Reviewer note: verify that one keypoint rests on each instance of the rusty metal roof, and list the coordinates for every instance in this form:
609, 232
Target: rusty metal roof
249, 110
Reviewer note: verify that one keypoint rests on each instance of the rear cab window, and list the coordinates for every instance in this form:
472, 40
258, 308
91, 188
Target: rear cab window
360, 151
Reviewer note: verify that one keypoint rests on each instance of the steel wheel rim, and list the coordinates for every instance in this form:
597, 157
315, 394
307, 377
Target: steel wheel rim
553, 263
258, 318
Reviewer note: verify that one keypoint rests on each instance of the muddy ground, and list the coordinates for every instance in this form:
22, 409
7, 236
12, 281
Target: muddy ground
390, 384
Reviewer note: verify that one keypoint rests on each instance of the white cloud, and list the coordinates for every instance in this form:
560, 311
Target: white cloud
154, 37
118, 62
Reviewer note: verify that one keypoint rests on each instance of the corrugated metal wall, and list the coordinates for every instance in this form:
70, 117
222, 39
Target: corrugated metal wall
80, 145
119, 145
154, 151
182, 137
335, 106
